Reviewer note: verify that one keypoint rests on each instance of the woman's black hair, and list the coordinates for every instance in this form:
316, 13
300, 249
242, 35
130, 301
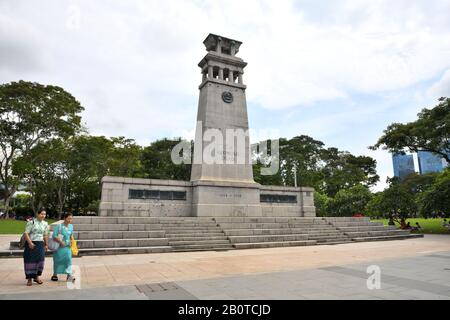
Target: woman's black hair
40, 210
68, 214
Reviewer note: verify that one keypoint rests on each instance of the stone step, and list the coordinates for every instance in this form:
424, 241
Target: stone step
16, 252
376, 233
267, 220
138, 220
332, 242
247, 232
364, 228
123, 250
188, 231
192, 230
197, 238
206, 224
194, 234
120, 243
356, 224
116, 227
195, 242
202, 247
322, 237
256, 245
181, 227
185, 219
383, 238
90, 235
188, 221
268, 238
97, 251
270, 225
343, 219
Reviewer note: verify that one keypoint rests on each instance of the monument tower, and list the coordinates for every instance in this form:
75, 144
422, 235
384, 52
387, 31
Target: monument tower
222, 176
221, 182
222, 108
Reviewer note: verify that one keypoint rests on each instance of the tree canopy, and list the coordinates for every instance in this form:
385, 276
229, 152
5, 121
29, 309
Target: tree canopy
31, 113
430, 132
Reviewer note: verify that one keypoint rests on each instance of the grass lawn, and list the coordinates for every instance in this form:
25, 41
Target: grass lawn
9, 226
429, 226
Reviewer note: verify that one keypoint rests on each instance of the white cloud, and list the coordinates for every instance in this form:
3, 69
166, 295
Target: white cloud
441, 88
133, 64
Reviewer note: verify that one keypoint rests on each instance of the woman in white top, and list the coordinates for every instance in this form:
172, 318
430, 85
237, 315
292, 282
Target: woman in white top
36, 236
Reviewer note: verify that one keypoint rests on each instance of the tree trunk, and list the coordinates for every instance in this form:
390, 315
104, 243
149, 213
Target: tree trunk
61, 197
6, 204
59, 212
8, 196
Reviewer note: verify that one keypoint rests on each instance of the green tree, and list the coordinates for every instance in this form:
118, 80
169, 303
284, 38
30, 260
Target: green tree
303, 153
66, 175
348, 202
47, 171
418, 183
396, 200
375, 207
31, 113
157, 163
430, 132
436, 199
321, 202
327, 170
92, 158
342, 170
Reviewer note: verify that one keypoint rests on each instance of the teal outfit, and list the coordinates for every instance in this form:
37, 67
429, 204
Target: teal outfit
62, 258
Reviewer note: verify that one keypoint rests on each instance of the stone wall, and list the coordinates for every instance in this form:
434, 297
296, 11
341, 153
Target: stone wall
304, 206
202, 198
115, 200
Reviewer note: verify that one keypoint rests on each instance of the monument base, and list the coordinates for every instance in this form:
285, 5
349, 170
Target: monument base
225, 199
131, 197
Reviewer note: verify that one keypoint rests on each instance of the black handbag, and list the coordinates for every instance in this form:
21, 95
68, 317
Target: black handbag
23, 240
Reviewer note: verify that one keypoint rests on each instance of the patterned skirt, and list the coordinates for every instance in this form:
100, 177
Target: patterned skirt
34, 260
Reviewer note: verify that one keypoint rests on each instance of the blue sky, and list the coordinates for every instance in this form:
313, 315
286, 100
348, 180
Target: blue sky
339, 71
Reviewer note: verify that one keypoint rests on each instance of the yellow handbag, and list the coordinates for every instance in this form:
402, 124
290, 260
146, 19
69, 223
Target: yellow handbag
74, 248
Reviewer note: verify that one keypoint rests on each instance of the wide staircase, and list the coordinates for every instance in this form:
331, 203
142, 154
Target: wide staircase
362, 229
121, 235
266, 232
115, 235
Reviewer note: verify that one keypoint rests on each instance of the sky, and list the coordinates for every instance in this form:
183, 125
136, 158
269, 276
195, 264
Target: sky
338, 71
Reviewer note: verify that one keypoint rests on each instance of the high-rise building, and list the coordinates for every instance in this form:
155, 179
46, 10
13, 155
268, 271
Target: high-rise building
429, 162
403, 165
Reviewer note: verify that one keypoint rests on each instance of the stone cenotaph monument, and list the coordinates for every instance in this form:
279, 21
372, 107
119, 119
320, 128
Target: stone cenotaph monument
221, 182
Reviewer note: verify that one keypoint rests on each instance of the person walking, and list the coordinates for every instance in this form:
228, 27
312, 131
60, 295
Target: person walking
62, 257
36, 237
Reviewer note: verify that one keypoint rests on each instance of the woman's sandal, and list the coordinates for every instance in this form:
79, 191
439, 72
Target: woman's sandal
70, 278
38, 281
54, 278
29, 283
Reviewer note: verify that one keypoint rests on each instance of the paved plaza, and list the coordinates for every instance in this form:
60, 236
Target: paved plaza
411, 269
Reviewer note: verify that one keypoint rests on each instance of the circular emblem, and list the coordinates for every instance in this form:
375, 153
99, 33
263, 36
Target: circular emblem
227, 97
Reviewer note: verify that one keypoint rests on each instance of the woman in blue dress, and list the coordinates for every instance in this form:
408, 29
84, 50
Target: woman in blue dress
62, 258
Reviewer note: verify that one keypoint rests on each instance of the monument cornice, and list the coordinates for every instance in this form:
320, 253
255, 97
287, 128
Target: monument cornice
226, 183
224, 82
226, 59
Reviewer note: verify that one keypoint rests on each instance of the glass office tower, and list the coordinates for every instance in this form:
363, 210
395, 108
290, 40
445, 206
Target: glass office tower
429, 162
403, 165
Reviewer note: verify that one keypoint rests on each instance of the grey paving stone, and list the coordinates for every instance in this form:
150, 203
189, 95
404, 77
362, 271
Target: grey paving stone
109, 293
